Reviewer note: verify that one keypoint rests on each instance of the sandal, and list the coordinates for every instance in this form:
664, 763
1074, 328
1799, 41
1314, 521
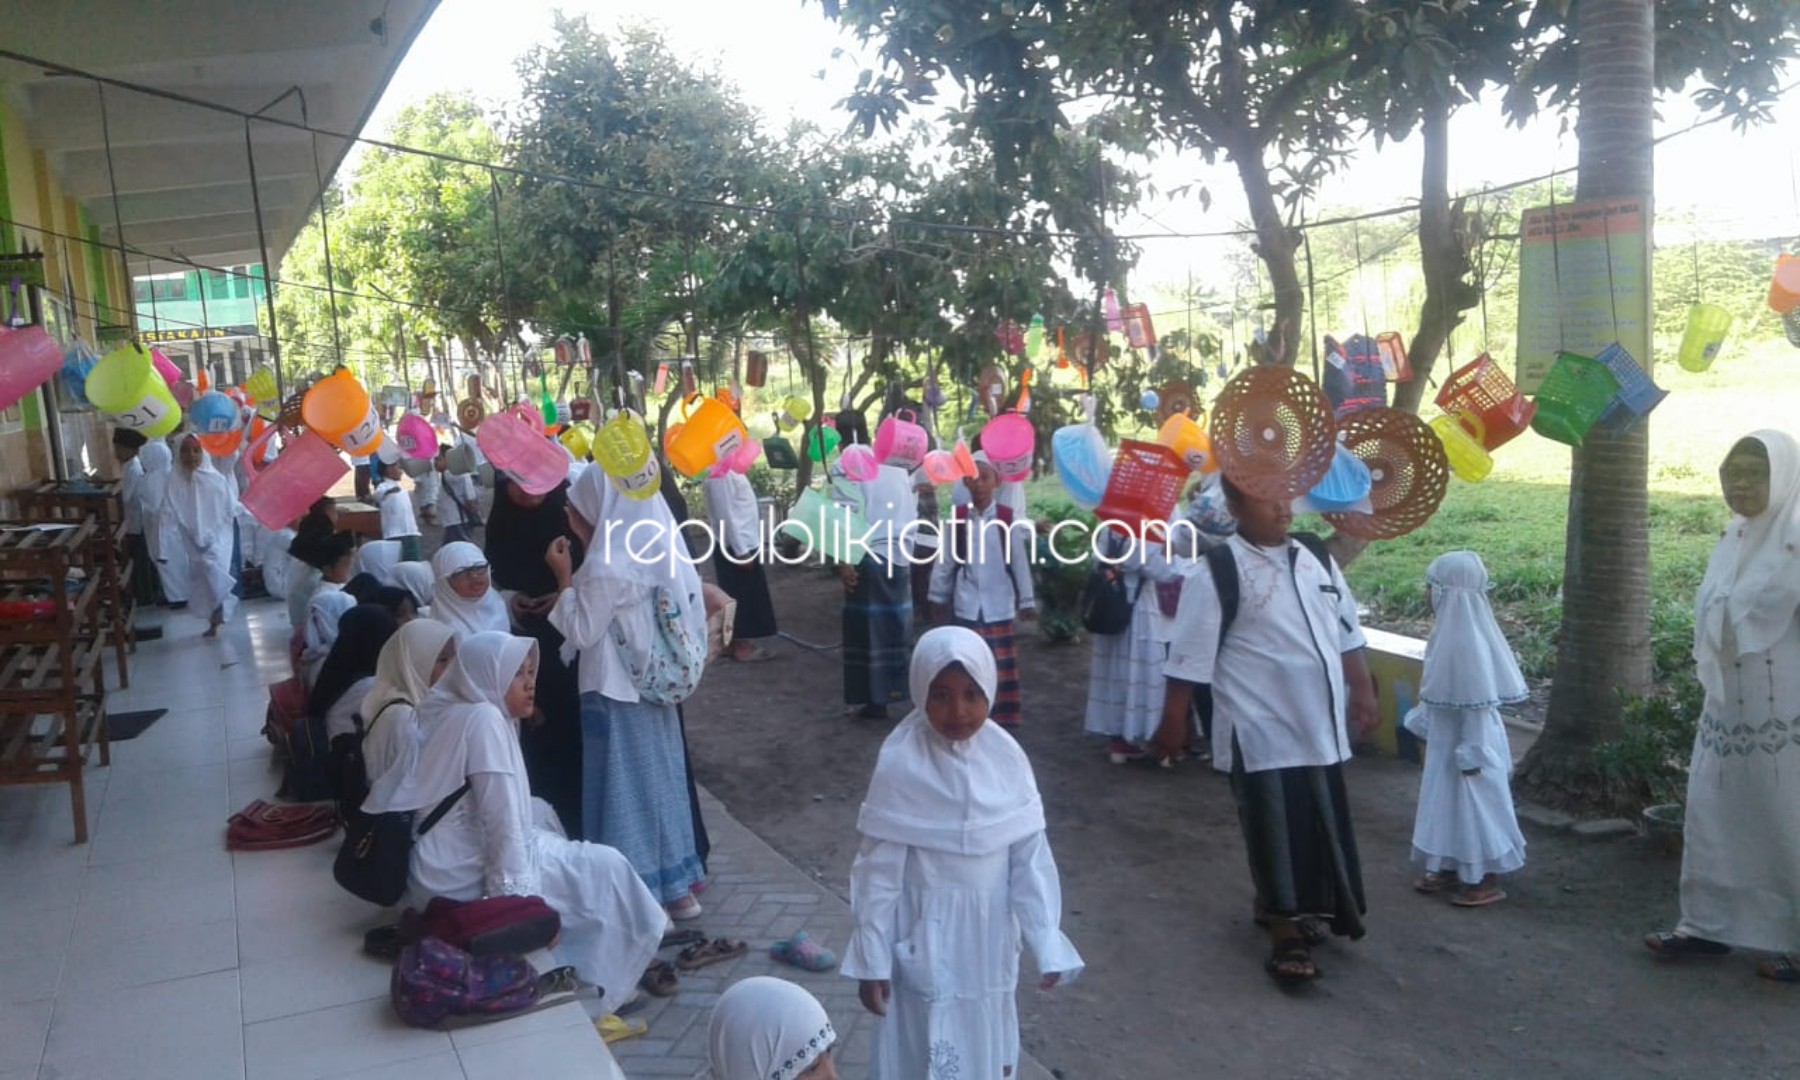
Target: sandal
1434, 882
682, 938
716, 951
804, 953
1478, 895
1311, 929
659, 979
1679, 946
615, 1028
1290, 963
1779, 968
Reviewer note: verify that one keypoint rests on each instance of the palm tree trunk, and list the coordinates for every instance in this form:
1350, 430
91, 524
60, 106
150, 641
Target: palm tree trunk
1604, 645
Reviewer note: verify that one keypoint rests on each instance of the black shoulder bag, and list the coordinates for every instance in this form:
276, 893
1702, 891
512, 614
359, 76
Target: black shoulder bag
377, 851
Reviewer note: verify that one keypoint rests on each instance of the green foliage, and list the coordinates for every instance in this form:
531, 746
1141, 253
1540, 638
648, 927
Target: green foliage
1647, 764
1061, 573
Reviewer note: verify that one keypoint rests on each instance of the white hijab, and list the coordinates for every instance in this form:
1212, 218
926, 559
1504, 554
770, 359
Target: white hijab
416, 578
201, 502
484, 667
322, 615
1468, 664
378, 558
765, 1028
1752, 580
465, 616
157, 460
637, 542
403, 672
974, 797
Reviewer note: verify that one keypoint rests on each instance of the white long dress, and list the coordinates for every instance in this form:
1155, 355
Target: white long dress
1465, 824
1125, 678
170, 558
946, 930
1740, 864
199, 517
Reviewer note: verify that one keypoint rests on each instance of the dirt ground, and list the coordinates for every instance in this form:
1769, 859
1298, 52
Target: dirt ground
1552, 983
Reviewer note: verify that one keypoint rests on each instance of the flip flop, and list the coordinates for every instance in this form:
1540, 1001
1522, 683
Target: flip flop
1780, 968
716, 951
659, 979
1680, 946
682, 938
615, 1028
804, 953
1478, 897
1434, 882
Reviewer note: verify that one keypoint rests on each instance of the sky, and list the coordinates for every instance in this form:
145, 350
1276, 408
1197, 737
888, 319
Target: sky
779, 53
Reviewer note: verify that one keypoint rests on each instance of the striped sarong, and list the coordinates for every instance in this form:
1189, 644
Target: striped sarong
877, 635
1005, 709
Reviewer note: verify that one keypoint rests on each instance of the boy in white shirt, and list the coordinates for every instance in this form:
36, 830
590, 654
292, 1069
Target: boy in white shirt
984, 576
397, 519
457, 509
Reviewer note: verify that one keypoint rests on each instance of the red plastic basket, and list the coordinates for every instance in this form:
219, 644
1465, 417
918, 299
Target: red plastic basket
1146, 480
1488, 401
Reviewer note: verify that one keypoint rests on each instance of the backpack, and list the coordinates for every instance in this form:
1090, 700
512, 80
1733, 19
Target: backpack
376, 855
1223, 566
962, 542
436, 984
299, 739
349, 773
1105, 609
485, 927
670, 672
1366, 377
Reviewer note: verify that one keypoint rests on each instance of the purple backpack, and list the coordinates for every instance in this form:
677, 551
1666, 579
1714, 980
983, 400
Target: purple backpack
436, 984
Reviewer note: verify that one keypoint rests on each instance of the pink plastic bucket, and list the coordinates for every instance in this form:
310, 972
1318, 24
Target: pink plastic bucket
281, 493
859, 463
509, 440
1009, 442
900, 441
165, 367
28, 357
416, 438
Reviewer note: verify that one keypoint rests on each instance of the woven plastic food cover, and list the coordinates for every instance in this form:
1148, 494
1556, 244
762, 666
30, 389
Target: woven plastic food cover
1273, 432
1408, 469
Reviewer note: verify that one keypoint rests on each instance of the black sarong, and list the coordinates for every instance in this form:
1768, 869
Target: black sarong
1301, 846
745, 582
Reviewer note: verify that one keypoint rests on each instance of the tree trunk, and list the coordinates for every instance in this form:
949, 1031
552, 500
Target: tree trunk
1444, 257
1275, 246
1605, 635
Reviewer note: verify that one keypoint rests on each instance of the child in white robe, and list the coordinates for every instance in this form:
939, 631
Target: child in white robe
1465, 834
199, 518
954, 874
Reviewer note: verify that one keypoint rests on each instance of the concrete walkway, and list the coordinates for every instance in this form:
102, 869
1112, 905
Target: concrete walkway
758, 896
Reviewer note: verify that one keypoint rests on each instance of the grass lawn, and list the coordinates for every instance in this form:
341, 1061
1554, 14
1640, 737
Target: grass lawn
1516, 518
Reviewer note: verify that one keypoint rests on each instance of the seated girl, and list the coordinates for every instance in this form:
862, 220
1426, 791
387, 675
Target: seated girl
411, 662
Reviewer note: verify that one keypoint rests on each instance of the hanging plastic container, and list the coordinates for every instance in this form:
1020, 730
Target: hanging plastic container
642, 483
28, 359
1575, 392
1189, 441
1145, 482
1467, 458
1083, 463
1707, 325
1394, 364
823, 526
1115, 315
1637, 395
1034, 339
512, 442
940, 467
1345, 485
1480, 389
621, 445
900, 441
1010, 442
1011, 338
1408, 473
415, 437
222, 445
212, 413
578, 439
165, 367
756, 368
858, 463
822, 442
261, 384
780, 453
280, 494
340, 411
798, 409
78, 361
709, 432
1784, 287
126, 386
1139, 331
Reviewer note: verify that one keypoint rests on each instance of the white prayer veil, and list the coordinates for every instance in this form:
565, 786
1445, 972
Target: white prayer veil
403, 671
377, 558
1468, 664
488, 613
968, 798
417, 579
322, 615
765, 1028
1752, 581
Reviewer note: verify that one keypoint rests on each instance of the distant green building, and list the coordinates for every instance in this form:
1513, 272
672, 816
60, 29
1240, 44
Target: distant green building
205, 318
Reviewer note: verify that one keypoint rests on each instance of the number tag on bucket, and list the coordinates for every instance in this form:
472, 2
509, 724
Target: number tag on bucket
729, 444
146, 414
640, 484
362, 438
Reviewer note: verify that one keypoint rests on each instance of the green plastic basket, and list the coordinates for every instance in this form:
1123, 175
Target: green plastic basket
1574, 394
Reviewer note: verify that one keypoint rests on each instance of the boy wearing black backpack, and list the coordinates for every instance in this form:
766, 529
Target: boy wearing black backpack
1269, 624
983, 580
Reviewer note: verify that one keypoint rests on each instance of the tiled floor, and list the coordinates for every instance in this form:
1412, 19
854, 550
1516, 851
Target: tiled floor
151, 951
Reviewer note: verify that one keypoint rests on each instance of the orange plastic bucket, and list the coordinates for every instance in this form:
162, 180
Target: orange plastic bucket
709, 431
340, 411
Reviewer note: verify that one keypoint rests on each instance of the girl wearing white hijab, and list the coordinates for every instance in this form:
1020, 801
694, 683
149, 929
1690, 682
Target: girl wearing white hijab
417, 579
1465, 829
765, 1028
496, 840
953, 875
411, 662
634, 793
199, 518
377, 558
462, 597
322, 614
1740, 864
170, 558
